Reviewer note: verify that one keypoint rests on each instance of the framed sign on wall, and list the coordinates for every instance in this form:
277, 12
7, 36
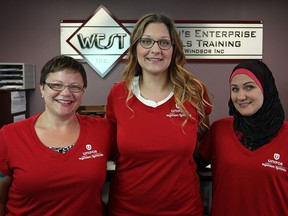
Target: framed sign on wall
102, 40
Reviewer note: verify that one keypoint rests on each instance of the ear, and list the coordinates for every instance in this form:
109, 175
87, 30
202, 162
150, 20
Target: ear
41, 88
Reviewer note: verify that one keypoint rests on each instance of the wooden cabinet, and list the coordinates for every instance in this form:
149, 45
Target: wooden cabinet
92, 110
15, 80
14, 106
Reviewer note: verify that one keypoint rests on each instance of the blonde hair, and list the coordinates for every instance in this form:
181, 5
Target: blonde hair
186, 87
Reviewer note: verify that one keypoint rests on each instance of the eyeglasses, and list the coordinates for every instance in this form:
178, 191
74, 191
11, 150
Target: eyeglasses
163, 44
75, 88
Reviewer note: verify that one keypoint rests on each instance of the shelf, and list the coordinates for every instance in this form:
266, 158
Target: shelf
17, 76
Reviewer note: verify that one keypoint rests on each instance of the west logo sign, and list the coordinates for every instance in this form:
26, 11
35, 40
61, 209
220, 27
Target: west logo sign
101, 41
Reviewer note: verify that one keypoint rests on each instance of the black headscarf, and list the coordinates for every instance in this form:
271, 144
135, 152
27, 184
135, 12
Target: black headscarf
263, 126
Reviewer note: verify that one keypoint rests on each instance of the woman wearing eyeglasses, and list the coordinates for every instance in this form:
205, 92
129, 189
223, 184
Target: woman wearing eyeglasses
54, 163
159, 109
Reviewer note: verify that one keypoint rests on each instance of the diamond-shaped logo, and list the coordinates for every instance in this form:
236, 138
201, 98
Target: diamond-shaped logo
101, 40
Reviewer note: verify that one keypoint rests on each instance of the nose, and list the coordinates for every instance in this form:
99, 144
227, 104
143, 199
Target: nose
155, 48
65, 91
241, 95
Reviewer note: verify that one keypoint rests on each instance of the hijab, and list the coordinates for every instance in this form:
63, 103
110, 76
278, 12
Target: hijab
260, 128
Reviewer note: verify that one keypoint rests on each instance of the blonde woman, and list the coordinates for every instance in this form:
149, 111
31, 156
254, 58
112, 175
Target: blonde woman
159, 109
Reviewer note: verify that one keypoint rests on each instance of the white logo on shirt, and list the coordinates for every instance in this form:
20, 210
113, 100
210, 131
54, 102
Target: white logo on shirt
276, 156
176, 112
90, 154
275, 164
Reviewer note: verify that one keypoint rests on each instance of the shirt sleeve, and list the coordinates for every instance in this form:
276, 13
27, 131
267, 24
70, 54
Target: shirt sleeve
111, 116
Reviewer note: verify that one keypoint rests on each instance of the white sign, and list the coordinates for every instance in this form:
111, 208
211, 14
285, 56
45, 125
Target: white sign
204, 41
18, 101
19, 117
222, 41
102, 41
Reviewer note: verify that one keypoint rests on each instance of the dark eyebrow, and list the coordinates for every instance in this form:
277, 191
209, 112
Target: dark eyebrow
246, 83
250, 82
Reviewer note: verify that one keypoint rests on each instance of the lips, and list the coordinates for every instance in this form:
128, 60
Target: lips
244, 104
155, 59
64, 101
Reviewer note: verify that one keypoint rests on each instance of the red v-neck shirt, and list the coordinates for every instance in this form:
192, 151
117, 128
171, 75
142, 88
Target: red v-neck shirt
46, 182
246, 182
155, 173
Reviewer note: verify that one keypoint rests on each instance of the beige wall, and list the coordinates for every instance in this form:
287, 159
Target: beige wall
30, 33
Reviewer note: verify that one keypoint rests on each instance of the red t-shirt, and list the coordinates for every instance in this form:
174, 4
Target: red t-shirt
46, 182
155, 172
244, 182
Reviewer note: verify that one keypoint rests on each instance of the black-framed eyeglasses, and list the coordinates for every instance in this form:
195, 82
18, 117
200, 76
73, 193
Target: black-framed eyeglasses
163, 44
75, 88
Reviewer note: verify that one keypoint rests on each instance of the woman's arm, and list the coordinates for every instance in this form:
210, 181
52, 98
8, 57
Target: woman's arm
5, 182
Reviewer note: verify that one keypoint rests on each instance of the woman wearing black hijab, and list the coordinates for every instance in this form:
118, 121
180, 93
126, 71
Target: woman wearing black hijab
248, 150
